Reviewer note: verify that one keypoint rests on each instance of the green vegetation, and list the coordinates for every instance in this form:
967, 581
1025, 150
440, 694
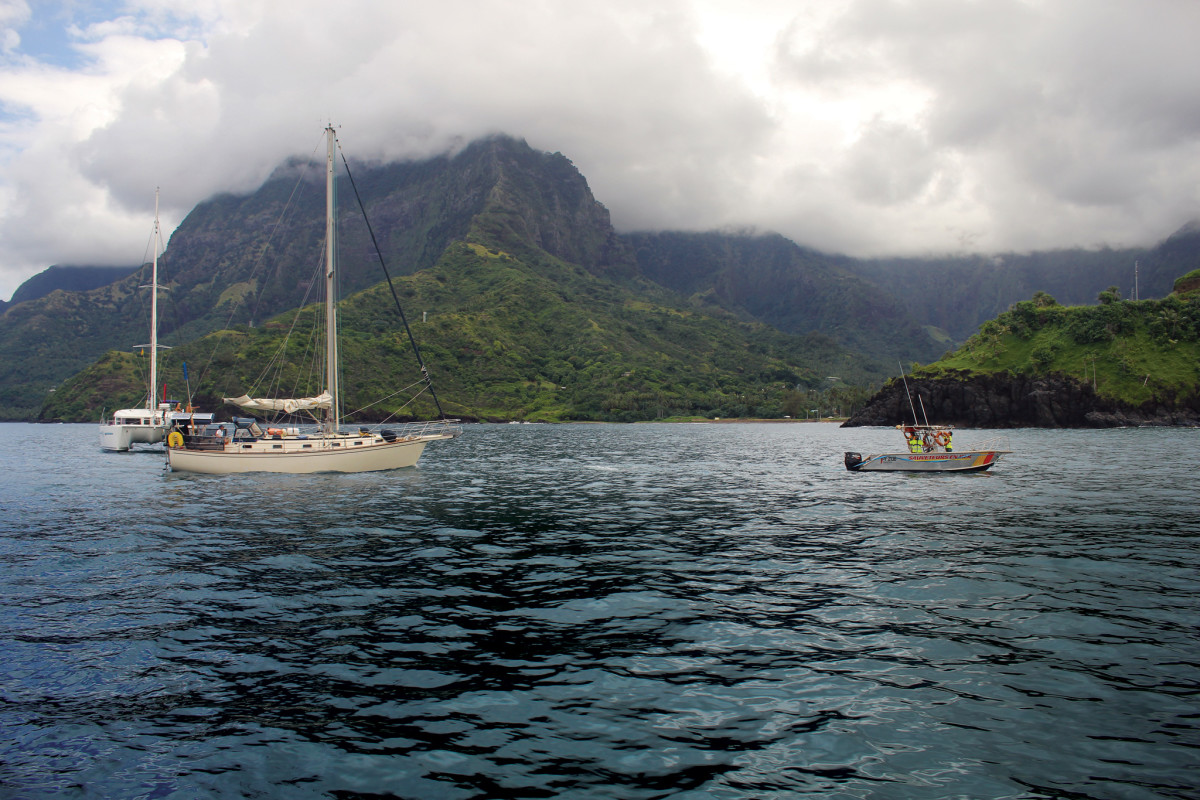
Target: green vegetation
117, 380
507, 338
1132, 352
1189, 282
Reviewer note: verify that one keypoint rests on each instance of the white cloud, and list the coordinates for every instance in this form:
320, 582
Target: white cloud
859, 126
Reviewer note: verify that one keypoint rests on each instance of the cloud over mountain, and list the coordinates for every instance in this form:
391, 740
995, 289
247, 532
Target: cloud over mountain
863, 126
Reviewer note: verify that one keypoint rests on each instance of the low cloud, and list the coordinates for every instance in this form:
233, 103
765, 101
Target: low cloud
865, 127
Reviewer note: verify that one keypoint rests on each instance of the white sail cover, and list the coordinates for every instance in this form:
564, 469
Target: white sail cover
289, 405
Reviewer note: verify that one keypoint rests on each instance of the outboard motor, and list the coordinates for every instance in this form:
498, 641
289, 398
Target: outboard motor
853, 461
388, 435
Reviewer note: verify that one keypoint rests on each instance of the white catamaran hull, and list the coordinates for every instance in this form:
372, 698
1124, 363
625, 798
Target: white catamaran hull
123, 437
965, 461
303, 457
120, 437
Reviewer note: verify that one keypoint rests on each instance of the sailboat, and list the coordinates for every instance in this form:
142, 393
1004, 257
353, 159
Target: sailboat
130, 426
243, 445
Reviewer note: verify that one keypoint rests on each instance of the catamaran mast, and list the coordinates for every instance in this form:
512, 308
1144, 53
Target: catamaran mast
152, 398
333, 415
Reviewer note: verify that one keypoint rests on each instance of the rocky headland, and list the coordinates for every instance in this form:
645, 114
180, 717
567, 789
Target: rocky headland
1016, 401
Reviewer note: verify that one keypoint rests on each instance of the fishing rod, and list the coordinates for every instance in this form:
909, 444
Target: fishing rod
910, 402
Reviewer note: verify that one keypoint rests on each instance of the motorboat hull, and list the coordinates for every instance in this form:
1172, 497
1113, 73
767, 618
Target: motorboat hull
965, 461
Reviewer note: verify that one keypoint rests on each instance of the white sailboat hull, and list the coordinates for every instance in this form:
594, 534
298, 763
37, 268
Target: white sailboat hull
304, 456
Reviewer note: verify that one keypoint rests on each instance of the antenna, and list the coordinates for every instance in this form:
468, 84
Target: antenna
921, 400
1135, 281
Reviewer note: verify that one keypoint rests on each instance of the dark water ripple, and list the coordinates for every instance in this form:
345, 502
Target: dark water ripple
690, 611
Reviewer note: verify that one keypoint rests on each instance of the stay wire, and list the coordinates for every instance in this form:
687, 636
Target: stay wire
412, 340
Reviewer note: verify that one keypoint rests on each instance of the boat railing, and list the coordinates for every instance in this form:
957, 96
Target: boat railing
435, 427
211, 440
994, 443
203, 441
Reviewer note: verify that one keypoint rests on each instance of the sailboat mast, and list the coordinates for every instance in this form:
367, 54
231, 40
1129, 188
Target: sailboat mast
151, 400
332, 416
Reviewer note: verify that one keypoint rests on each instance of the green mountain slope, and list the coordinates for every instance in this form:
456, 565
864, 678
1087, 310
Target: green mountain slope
1042, 364
1131, 352
67, 278
44, 340
239, 259
504, 337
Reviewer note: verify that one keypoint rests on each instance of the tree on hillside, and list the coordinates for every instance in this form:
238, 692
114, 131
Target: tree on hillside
1043, 300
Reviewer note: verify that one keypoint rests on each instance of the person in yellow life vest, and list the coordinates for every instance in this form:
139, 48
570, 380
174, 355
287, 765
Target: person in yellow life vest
914, 443
949, 442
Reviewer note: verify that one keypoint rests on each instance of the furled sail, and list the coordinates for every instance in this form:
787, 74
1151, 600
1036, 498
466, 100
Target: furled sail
289, 405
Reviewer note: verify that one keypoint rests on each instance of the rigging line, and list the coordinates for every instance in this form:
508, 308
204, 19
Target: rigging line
254, 270
409, 402
275, 364
308, 166
395, 297
389, 397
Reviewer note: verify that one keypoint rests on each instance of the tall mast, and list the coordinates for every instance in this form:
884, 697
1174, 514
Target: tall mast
152, 400
332, 416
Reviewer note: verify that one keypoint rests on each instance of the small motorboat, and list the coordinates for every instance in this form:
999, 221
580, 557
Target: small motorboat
930, 449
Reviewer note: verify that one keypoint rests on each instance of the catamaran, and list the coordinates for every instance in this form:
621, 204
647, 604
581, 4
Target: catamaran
130, 426
244, 445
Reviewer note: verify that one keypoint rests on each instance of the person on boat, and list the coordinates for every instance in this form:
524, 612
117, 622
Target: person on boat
914, 443
949, 442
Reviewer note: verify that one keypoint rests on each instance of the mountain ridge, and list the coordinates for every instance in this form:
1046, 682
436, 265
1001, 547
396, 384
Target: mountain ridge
233, 259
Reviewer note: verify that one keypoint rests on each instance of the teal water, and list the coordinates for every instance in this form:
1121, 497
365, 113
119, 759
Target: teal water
610, 611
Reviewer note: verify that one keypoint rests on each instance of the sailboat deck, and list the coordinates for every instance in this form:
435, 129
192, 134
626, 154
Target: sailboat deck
299, 453
313, 443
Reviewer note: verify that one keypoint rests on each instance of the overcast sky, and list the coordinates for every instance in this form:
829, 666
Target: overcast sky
865, 127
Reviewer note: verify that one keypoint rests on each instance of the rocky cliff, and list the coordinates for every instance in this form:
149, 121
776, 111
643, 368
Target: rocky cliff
1016, 401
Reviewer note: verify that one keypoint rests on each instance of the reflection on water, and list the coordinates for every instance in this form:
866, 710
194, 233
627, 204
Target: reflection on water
605, 611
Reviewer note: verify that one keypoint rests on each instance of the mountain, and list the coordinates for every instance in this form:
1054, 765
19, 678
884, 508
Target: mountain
66, 278
529, 304
506, 335
958, 294
1043, 364
795, 289
248, 258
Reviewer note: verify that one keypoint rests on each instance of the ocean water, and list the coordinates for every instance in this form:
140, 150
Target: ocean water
608, 611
